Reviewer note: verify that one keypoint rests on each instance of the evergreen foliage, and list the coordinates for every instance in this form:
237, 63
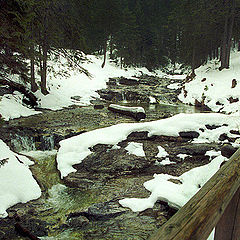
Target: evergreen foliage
136, 32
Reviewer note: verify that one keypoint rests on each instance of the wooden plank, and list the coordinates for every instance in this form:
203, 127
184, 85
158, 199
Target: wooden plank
228, 227
197, 218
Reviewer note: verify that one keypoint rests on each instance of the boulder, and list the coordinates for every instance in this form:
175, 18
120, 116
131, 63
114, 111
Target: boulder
228, 150
189, 134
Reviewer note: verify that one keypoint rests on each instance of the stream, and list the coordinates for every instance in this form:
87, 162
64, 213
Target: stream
70, 213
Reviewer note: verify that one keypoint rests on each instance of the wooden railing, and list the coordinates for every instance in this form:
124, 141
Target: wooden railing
216, 204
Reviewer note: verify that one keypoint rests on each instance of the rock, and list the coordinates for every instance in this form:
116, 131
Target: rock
228, 150
211, 127
83, 181
189, 134
112, 82
236, 132
202, 105
5, 90
128, 81
105, 210
114, 161
224, 136
104, 164
196, 149
76, 98
219, 104
98, 106
234, 83
233, 100
143, 135
78, 222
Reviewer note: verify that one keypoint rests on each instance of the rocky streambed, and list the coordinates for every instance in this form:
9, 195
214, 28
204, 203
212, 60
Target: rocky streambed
84, 205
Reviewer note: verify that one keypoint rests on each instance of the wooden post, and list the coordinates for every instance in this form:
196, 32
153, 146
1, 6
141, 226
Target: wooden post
228, 227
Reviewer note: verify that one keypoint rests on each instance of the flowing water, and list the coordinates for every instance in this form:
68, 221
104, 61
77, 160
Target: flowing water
58, 201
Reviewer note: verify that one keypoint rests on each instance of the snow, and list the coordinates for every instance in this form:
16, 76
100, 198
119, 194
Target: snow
161, 152
17, 184
164, 162
182, 156
131, 109
11, 107
75, 88
174, 86
152, 100
215, 86
74, 150
63, 88
176, 195
136, 149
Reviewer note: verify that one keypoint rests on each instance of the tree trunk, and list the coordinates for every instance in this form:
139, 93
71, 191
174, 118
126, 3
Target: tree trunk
105, 54
44, 72
34, 86
229, 39
44, 55
227, 36
224, 45
193, 59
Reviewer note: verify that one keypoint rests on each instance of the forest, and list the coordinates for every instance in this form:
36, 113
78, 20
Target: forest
152, 33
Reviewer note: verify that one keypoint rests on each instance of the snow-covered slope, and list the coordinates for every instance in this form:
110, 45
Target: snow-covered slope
17, 184
71, 88
215, 86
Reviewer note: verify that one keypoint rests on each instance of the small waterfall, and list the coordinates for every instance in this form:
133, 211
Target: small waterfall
28, 143
124, 97
47, 142
22, 143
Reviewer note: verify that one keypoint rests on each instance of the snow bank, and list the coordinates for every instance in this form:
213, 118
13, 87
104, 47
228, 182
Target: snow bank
215, 86
11, 107
74, 150
76, 88
17, 184
176, 195
69, 88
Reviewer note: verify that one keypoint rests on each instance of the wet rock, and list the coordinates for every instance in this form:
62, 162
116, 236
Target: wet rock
76, 98
193, 149
143, 135
112, 82
228, 150
105, 163
189, 134
81, 180
98, 106
115, 161
78, 222
128, 81
105, 210
202, 105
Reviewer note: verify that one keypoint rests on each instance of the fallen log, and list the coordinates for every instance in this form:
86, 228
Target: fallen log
31, 99
136, 112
